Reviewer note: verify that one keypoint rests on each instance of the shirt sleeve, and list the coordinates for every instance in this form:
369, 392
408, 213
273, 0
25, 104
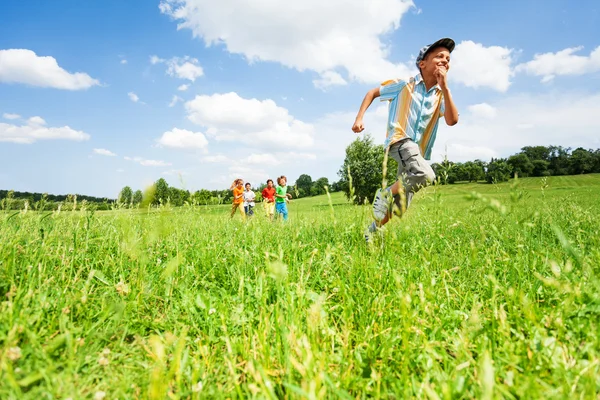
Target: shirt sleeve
390, 89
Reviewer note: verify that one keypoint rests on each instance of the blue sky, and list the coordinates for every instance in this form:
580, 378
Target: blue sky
272, 87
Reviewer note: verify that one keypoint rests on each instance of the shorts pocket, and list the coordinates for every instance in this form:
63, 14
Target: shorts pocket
408, 151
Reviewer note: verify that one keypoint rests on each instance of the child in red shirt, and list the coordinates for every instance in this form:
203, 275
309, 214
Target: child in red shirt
268, 195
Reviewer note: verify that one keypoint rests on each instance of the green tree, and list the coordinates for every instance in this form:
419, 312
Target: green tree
498, 170
161, 193
536, 152
521, 164
596, 161
474, 170
202, 196
126, 196
364, 160
540, 168
304, 183
581, 161
559, 160
319, 186
137, 197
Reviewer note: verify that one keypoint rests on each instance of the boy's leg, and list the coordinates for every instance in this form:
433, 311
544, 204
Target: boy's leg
284, 212
414, 173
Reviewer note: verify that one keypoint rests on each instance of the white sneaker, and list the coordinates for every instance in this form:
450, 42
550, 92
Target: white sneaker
382, 204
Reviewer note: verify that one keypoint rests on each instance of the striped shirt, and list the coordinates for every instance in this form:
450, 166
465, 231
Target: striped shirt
414, 112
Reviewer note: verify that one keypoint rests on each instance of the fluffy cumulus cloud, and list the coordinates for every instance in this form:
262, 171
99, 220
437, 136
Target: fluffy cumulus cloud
26, 67
183, 139
262, 123
181, 67
104, 152
148, 163
183, 88
564, 62
35, 129
322, 36
475, 65
517, 121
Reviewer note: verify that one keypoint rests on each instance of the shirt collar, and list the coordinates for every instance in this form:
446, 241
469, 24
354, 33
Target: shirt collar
419, 79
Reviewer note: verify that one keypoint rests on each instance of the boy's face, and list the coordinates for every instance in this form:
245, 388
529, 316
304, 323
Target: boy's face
247, 186
282, 182
270, 184
438, 57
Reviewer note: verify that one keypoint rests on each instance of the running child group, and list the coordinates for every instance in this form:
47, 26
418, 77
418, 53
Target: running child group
275, 198
415, 106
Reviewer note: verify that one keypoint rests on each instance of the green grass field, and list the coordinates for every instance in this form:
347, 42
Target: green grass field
480, 291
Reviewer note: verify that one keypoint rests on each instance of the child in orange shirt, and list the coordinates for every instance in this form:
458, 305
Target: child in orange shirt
238, 197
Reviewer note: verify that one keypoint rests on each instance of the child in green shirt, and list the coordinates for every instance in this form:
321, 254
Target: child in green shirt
281, 197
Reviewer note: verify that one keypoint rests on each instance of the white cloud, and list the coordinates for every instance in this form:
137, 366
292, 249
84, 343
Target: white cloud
24, 66
229, 117
123, 61
483, 110
36, 121
175, 100
11, 116
315, 35
183, 88
183, 139
35, 130
329, 78
148, 163
568, 120
475, 66
564, 62
133, 97
181, 67
104, 152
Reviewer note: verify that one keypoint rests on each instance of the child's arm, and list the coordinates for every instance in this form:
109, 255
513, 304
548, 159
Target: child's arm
451, 112
369, 97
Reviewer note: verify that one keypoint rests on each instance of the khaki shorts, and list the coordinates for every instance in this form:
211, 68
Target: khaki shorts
269, 208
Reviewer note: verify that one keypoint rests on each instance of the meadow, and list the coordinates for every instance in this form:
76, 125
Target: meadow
480, 291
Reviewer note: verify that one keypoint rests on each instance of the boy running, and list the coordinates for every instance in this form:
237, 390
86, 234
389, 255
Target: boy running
268, 195
249, 197
281, 197
415, 107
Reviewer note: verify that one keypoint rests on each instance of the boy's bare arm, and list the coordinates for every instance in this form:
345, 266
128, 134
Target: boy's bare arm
369, 97
451, 113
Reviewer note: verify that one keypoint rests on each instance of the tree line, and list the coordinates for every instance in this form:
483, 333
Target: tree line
361, 173
360, 176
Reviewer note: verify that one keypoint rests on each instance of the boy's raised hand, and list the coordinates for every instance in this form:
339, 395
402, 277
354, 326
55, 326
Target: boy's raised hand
358, 126
440, 75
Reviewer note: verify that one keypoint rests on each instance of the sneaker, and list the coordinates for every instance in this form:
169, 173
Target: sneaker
382, 204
